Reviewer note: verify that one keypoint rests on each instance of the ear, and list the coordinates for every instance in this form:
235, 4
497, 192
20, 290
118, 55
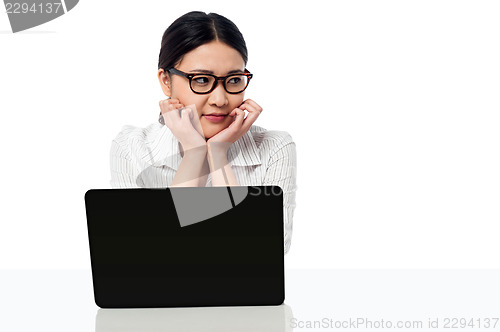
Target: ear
165, 82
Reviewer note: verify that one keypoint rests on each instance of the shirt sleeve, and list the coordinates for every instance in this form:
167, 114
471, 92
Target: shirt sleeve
282, 171
123, 172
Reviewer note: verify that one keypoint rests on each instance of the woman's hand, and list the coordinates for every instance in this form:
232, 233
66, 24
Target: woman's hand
238, 127
185, 125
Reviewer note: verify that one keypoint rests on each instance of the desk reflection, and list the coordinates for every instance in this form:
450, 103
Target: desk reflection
220, 319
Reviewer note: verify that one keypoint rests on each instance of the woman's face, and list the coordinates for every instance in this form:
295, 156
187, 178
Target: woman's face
214, 58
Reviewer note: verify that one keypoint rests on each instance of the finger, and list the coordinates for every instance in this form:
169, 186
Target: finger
164, 109
239, 116
234, 113
175, 104
250, 119
172, 103
191, 110
173, 117
169, 101
253, 104
174, 107
163, 104
167, 106
250, 108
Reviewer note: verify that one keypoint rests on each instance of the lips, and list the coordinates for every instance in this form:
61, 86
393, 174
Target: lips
215, 117
216, 114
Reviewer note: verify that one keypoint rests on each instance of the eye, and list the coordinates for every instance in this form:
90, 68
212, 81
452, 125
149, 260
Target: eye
234, 80
201, 80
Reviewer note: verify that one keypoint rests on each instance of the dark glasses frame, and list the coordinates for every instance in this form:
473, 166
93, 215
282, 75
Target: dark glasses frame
216, 80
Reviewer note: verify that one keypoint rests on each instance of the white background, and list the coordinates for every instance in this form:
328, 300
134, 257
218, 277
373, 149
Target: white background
394, 107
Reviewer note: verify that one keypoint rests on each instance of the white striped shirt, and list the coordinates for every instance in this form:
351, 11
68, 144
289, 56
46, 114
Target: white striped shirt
149, 158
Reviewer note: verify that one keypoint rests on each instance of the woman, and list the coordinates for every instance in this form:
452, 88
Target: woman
204, 137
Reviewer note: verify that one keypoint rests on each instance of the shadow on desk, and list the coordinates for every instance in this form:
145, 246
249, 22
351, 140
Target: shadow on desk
234, 319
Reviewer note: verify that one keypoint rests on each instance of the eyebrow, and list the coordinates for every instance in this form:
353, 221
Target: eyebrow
204, 71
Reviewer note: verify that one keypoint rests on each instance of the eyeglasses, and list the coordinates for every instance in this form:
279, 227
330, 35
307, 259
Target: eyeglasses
206, 83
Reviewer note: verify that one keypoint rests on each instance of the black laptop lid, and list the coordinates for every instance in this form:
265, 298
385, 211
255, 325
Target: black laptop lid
180, 247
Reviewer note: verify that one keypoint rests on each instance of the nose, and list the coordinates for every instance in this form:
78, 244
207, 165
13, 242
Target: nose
218, 96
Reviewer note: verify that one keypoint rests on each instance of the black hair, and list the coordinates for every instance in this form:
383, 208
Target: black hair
195, 29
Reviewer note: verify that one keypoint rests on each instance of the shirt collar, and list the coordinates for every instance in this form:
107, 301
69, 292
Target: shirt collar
164, 150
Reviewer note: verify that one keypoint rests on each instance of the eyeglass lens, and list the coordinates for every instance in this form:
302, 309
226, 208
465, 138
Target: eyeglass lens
204, 83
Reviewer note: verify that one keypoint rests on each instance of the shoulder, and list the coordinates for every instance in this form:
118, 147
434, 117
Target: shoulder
270, 139
131, 138
129, 132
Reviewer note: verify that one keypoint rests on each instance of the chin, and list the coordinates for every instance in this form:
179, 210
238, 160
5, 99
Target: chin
211, 132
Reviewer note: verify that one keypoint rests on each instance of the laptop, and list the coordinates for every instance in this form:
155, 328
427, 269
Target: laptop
186, 247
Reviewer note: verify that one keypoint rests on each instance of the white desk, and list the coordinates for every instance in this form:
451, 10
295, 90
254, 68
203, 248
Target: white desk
316, 300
